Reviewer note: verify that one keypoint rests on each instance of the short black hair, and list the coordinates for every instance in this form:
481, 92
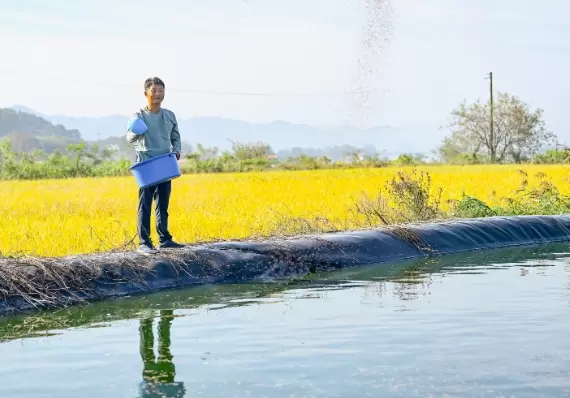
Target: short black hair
153, 80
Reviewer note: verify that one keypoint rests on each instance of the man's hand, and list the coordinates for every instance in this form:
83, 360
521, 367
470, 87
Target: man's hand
177, 155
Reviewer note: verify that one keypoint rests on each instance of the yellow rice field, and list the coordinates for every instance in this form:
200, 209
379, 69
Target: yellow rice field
61, 217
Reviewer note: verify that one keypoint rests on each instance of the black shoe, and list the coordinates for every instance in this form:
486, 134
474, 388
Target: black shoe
147, 249
170, 244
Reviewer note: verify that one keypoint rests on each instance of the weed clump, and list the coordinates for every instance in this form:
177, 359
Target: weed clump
409, 198
405, 198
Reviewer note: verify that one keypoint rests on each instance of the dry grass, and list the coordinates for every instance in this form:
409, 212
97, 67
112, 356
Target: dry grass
63, 217
45, 282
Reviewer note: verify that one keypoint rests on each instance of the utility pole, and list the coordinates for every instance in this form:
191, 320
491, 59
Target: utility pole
492, 135
492, 111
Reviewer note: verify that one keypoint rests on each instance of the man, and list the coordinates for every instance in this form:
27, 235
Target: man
161, 137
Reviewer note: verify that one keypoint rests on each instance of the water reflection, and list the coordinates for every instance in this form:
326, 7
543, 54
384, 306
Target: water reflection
405, 280
159, 372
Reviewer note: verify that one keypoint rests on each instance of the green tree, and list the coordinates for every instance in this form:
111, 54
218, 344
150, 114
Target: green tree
518, 134
253, 150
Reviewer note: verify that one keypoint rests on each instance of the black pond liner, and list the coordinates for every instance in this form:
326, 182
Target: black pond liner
64, 281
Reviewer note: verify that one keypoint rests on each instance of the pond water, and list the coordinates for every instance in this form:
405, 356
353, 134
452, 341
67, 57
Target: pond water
491, 324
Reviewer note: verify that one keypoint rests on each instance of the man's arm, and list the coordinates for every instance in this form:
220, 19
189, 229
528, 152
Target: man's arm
132, 137
175, 136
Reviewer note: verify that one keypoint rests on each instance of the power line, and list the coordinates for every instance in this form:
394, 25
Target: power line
204, 92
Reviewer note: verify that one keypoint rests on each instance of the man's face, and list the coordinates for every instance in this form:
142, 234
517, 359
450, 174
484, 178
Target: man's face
155, 94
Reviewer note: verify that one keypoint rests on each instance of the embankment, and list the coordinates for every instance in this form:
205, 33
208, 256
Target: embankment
40, 283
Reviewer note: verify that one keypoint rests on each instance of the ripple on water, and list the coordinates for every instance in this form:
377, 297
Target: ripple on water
422, 329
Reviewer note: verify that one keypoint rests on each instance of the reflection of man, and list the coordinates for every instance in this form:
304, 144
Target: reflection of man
158, 374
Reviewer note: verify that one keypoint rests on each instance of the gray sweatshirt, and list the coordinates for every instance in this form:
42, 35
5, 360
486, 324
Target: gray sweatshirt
162, 135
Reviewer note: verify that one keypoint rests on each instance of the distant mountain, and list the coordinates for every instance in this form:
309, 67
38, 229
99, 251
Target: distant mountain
25, 109
281, 135
28, 132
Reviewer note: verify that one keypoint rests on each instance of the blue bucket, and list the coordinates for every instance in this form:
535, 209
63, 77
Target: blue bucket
156, 170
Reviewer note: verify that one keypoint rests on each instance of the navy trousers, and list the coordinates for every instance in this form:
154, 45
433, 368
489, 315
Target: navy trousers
160, 193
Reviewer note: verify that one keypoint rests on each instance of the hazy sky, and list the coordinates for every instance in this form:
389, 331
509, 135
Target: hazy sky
91, 58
